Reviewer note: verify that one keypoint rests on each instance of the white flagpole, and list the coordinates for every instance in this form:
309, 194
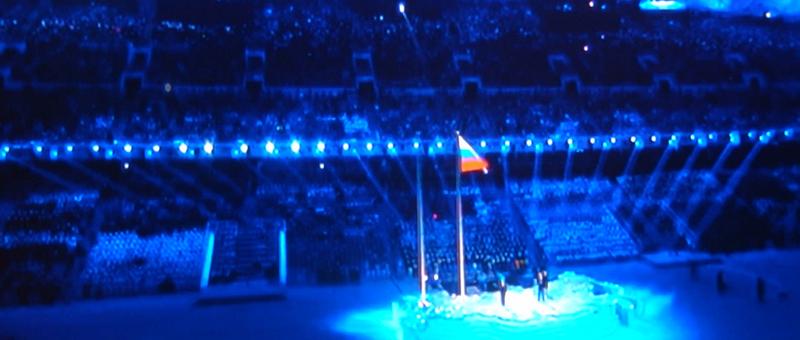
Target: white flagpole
459, 221
420, 234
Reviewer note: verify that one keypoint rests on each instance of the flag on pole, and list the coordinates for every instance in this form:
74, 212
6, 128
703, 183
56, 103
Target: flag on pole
470, 160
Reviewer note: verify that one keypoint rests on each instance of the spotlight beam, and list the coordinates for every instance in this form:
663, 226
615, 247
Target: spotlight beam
733, 182
673, 190
97, 177
694, 200
46, 174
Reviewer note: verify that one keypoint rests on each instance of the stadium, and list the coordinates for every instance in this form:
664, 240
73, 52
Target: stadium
377, 169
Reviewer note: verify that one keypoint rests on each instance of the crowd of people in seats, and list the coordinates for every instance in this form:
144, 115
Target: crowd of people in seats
573, 221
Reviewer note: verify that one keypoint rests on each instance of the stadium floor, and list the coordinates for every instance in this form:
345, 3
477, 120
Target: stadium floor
677, 308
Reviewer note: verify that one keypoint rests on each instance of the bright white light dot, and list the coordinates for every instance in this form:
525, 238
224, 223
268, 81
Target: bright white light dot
549, 141
128, 148
243, 148
95, 148
613, 140
390, 146
345, 146
529, 142
483, 143
569, 141
321, 146
270, 147
295, 146
653, 138
183, 148
592, 140
633, 139
369, 146
126, 165
416, 145
208, 147
402, 8
439, 145
156, 148
321, 166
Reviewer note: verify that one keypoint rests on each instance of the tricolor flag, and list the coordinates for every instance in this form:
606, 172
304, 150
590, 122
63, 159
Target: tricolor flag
470, 160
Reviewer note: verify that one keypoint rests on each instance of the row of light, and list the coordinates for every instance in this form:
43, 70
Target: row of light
241, 148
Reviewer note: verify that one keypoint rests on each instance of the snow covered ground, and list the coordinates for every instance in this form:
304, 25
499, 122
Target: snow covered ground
669, 305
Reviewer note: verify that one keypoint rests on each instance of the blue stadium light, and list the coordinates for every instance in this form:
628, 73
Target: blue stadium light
606, 145
6, 148
345, 146
402, 8
439, 145
763, 138
711, 136
126, 165
295, 146
591, 4
416, 145
539, 147
183, 148
95, 148
390, 146
751, 134
483, 143
53, 153
788, 133
613, 140
208, 147
768, 15
633, 139
586, 48
549, 142
38, 149
128, 148
592, 140
692, 137
70, 148
529, 142
569, 141
322, 166
507, 143
243, 148
109, 154
701, 142
653, 138
369, 146
269, 147
770, 133
156, 148
735, 138
320, 146
673, 138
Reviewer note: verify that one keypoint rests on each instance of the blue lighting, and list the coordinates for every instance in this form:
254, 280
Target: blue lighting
788, 132
390, 146
613, 140
633, 139
673, 138
183, 148
345, 146
439, 145
692, 137
416, 145
295, 146
661, 5
96, 148
549, 141
70, 148
320, 146
322, 166
751, 134
483, 143
763, 138
711, 136
507, 143
369, 146
539, 147
270, 147
401, 7
126, 165
701, 142
569, 141
735, 138
592, 140
128, 148
243, 148
156, 148
529, 142
38, 149
208, 147
653, 138
53, 154
606, 145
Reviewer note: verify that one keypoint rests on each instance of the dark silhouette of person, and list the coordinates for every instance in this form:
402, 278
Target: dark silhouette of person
541, 283
761, 289
503, 289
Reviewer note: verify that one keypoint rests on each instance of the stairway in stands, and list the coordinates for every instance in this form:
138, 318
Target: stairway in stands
244, 252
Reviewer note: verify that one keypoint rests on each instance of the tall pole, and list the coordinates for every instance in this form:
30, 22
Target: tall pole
459, 222
420, 233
